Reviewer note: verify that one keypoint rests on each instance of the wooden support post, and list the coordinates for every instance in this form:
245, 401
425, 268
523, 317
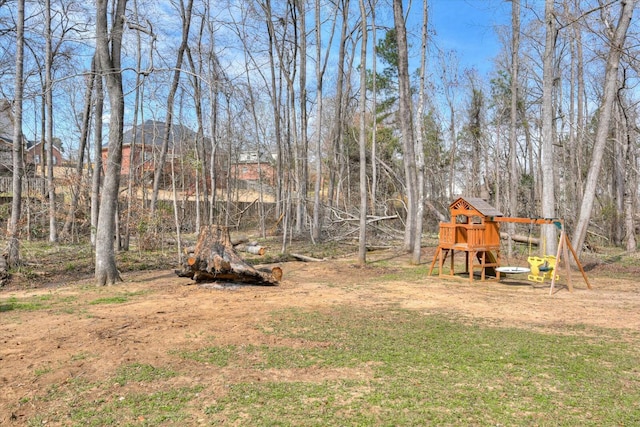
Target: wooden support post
435, 257
565, 255
452, 268
575, 257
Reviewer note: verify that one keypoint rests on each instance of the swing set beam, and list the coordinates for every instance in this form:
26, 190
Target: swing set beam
534, 221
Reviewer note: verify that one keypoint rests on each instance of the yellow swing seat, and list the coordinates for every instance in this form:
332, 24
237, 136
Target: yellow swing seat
541, 268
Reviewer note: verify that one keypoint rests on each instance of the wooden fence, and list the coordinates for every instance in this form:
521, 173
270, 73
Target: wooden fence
241, 214
29, 185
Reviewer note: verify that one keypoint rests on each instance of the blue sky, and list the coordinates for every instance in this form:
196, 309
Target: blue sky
468, 27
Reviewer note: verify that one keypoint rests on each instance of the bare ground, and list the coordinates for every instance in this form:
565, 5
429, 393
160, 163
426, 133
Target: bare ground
49, 349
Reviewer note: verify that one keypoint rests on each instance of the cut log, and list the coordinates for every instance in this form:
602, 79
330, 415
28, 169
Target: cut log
215, 259
254, 249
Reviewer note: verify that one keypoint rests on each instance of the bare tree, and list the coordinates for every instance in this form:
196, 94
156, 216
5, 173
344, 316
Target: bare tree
337, 131
514, 176
185, 14
13, 250
53, 233
109, 49
616, 47
406, 128
374, 107
96, 178
133, 175
303, 145
547, 160
419, 148
84, 137
275, 103
321, 66
362, 143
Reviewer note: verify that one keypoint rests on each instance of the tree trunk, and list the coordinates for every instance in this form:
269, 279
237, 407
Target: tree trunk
606, 107
215, 259
406, 128
580, 113
174, 192
514, 176
84, 136
96, 181
275, 104
53, 233
316, 230
630, 183
303, 151
186, 23
420, 163
320, 70
362, 143
108, 47
547, 155
131, 200
374, 116
13, 249
338, 123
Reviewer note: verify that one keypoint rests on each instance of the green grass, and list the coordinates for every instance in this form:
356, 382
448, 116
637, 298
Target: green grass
62, 303
145, 409
138, 372
355, 366
346, 366
151, 402
410, 273
70, 262
32, 303
432, 370
117, 299
217, 356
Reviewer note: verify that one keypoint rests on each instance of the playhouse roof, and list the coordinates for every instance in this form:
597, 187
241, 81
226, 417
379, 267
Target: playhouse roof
475, 203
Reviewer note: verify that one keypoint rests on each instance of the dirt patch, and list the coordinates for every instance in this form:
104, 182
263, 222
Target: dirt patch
84, 336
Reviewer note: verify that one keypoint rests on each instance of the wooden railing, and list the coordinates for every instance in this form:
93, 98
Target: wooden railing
471, 235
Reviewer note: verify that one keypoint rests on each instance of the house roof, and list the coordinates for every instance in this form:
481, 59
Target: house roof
475, 203
57, 145
152, 132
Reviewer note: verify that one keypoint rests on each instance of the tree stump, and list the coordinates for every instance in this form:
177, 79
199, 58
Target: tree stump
214, 259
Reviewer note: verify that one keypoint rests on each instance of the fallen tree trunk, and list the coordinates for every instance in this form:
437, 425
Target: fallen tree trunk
306, 258
522, 239
215, 259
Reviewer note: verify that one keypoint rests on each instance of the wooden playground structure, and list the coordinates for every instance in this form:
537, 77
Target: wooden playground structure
474, 229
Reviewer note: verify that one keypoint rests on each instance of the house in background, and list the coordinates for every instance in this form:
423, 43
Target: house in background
37, 151
253, 167
146, 142
34, 153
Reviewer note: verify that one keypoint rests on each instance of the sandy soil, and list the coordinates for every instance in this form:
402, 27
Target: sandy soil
40, 349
